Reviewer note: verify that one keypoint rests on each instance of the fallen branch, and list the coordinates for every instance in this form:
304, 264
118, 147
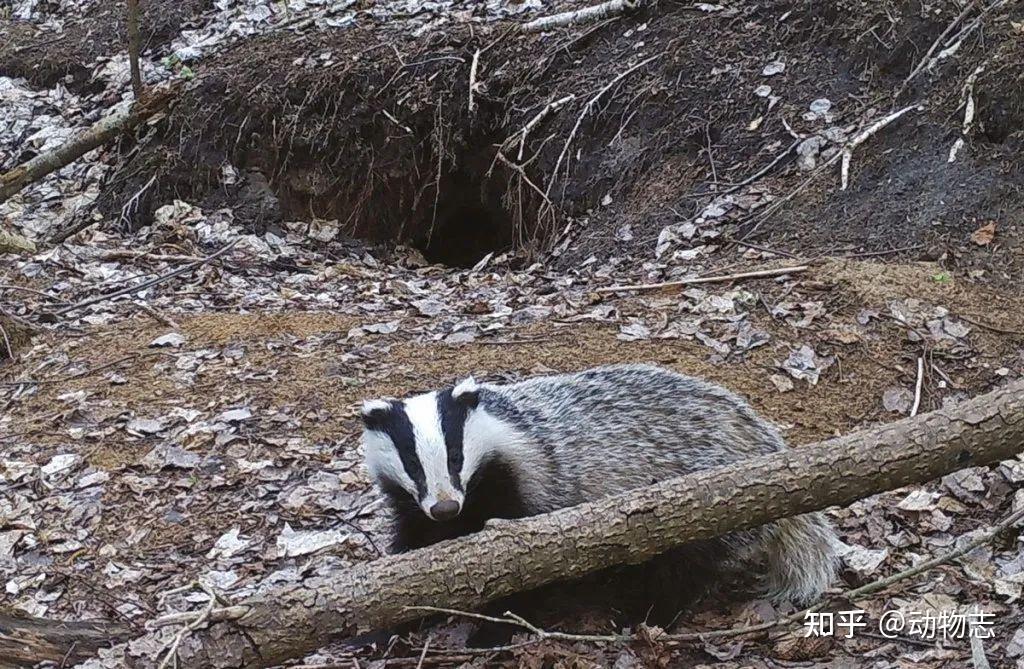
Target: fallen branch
739, 276
51, 317
821, 169
862, 137
288, 621
103, 131
585, 15
848, 595
12, 243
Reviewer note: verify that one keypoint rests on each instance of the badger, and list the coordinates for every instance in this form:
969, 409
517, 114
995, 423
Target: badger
450, 460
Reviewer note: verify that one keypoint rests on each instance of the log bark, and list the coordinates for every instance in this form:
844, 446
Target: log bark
26, 641
287, 622
103, 131
586, 15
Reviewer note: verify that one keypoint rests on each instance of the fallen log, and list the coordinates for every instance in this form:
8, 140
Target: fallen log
286, 622
26, 641
100, 133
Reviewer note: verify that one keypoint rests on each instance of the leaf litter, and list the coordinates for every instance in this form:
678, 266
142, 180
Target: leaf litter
136, 459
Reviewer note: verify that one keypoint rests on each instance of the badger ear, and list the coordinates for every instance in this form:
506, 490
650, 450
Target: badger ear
375, 413
467, 393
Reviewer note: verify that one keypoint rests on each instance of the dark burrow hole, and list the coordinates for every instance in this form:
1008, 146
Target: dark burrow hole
468, 224
464, 235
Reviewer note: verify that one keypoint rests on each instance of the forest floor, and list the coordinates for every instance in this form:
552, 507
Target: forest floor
205, 428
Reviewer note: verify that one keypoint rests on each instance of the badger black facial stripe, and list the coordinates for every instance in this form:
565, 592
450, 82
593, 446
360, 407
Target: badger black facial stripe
399, 429
453, 420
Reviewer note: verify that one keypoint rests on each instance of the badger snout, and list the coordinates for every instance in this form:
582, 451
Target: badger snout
445, 510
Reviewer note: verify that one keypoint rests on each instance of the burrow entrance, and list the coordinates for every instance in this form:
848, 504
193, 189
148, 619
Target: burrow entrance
468, 222
456, 224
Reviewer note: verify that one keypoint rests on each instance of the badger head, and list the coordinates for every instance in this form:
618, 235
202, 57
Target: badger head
425, 449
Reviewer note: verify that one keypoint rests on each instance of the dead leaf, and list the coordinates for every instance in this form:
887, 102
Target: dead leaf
984, 235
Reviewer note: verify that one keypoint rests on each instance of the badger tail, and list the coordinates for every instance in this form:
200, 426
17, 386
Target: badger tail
802, 558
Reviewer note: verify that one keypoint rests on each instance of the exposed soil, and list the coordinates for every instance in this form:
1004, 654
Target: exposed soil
373, 130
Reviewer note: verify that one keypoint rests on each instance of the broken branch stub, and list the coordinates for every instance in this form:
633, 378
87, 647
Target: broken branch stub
287, 622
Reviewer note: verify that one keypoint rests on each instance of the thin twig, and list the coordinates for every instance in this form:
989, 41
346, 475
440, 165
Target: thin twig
918, 386
538, 117
216, 615
157, 316
148, 284
33, 291
763, 171
935, 45
993, 328
90, 372
586, 109
739, 276
204, 616
7, 342
426, 644
131, 205
472, 80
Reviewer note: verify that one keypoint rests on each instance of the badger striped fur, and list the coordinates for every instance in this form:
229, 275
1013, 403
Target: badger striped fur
449, 460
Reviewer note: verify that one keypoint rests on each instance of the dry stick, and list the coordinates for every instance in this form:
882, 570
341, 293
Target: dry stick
7, 286
586, 109
767, 213
594, 13
935, 45
157, 316
862, 137
522, 173
172, 651
216, 615
957, 41
133, 47
426, 645
131, 206
101, 132
758, 274
763, 171
148, 284
472, 80
849, 595
917, 387
993, 328
124, 254
978, 653
540, 116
